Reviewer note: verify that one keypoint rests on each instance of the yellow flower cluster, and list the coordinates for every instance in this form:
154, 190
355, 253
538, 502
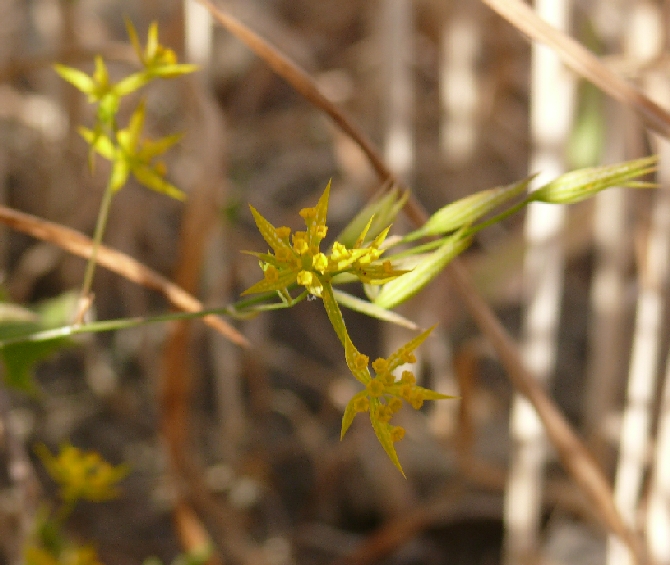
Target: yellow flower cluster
383, 394
82, 475
296, 258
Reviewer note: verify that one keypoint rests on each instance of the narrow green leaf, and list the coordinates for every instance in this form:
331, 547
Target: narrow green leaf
469, 209
406, 286
372, 310
134, 40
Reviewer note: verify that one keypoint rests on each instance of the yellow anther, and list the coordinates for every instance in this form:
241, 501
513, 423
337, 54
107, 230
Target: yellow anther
321, 231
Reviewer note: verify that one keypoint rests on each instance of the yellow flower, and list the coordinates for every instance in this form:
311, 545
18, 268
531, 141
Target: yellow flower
296, 255
383, 392
82, 475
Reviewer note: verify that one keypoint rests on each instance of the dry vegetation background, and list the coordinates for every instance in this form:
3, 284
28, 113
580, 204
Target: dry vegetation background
241, 446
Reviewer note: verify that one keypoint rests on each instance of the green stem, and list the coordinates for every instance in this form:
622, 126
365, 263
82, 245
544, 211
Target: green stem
500, 217
103, 215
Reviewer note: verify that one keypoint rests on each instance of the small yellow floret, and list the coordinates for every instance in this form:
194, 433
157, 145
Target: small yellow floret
395, 404
384, 414
406, 392
305, 278
408, 357
397, 433
283, 255
308, 213
361, 404
283, 232
380, 365
408, 378
361, 361
321, 231
416, 400
320, 262
271, 274
375, 388
339, 252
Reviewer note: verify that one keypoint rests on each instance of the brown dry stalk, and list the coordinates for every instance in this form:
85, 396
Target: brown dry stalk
583, 62
117, 262
571, 450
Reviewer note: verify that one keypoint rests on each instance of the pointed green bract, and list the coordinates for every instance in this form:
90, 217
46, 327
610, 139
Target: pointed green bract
404, 287
350, 411
468, 210
383, 433
268, 231
372, 310
400, 357
581, 184
379, 213
77, 78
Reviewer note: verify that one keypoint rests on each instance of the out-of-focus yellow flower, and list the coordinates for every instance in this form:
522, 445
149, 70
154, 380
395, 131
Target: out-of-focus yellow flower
82, 474
85, 555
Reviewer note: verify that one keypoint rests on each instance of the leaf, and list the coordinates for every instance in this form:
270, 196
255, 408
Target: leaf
372, 310
406, 286
19, 357
469, 209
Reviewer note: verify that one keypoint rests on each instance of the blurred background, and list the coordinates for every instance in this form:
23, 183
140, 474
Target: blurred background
241, 447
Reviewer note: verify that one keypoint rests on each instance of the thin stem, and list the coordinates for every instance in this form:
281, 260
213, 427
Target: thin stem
103, 215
